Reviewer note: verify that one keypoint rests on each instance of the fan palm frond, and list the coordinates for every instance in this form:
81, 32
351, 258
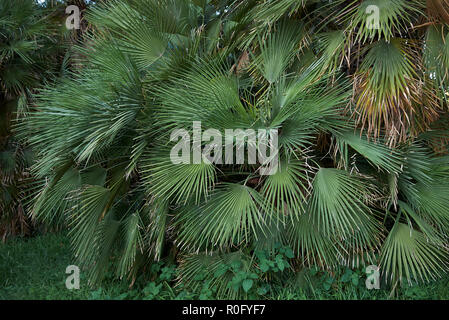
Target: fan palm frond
234, 214
406, 254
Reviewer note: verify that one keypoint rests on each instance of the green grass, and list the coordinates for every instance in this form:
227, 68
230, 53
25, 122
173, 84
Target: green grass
34, 268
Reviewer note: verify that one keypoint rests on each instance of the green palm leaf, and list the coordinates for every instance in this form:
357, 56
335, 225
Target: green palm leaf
406, 254
287, 189
337, 204
234, 214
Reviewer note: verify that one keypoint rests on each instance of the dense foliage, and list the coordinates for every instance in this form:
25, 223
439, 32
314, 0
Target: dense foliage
32, 51
362, 119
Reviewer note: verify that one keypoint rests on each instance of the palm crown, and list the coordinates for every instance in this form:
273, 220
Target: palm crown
362, 178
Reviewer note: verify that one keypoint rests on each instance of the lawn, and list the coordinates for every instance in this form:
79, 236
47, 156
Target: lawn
34, 268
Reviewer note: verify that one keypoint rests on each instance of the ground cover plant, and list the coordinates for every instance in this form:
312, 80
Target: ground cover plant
34, 268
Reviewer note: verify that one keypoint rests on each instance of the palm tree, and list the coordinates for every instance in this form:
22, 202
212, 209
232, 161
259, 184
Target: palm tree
31, 52
363, 174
